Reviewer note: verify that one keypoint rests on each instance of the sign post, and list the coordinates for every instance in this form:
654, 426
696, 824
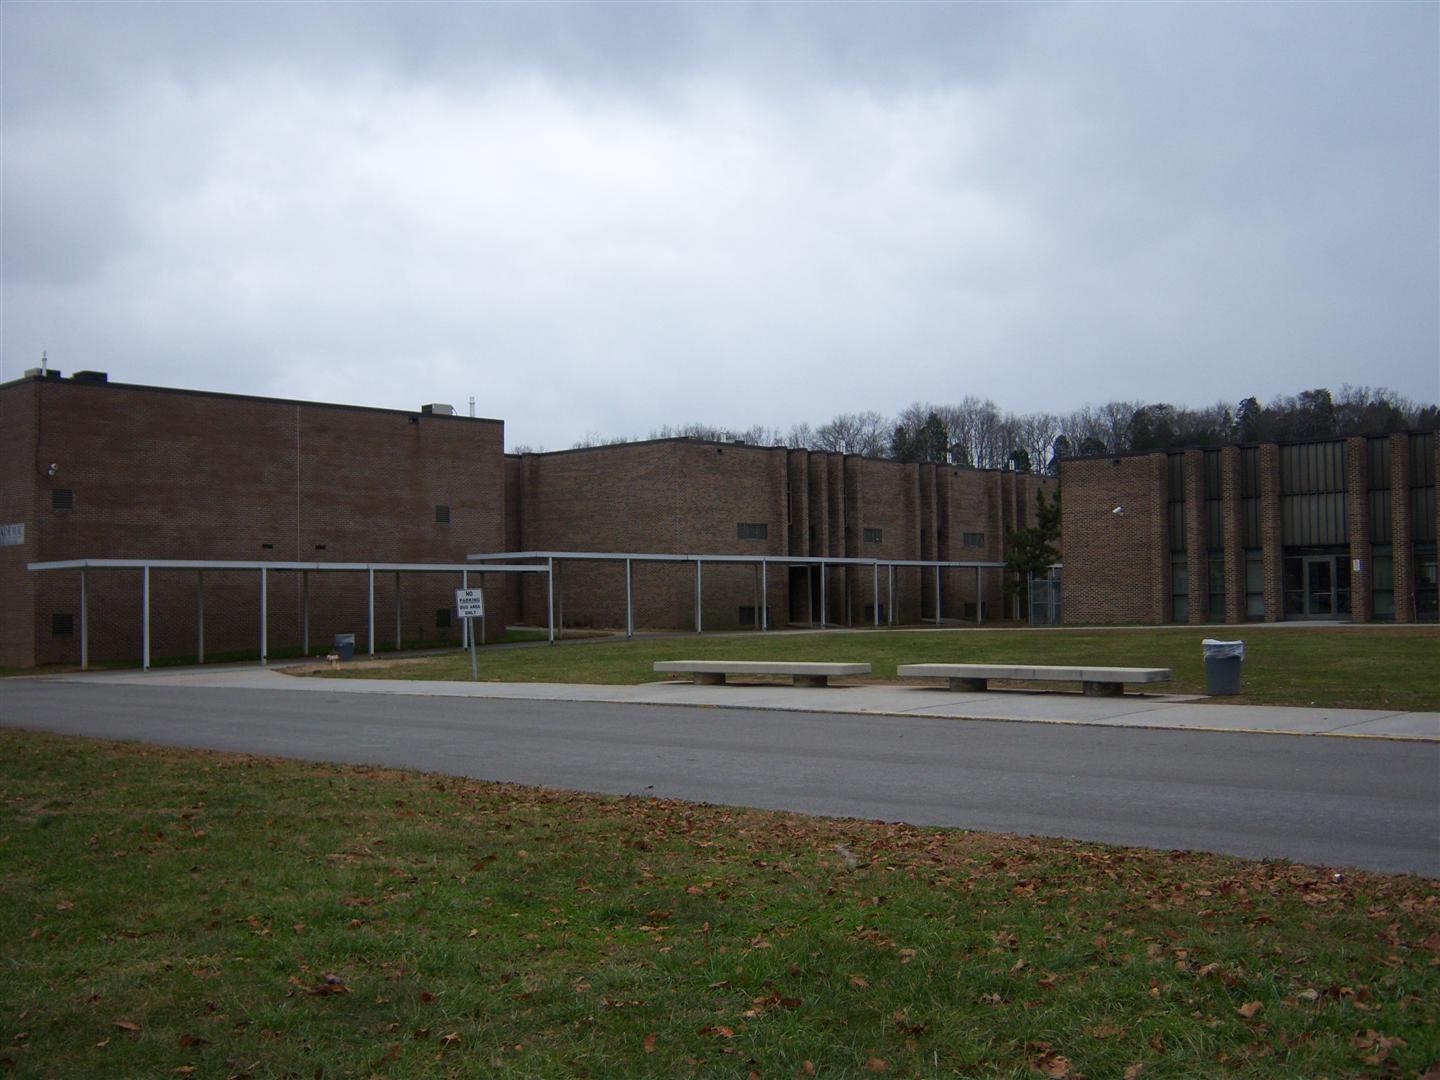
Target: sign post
469, 605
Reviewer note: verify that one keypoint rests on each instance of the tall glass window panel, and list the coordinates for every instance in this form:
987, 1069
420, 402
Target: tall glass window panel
1254, 585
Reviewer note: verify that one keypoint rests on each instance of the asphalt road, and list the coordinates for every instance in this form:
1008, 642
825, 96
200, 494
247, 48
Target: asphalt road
1341, 802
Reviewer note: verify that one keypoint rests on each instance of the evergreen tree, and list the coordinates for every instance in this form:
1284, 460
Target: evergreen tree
1031, 549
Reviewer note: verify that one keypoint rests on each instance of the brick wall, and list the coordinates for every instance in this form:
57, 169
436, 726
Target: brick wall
1117, 567
1232, 528
163, 474
1271, 534
1402, 536
1357, 512
1116, 564
20, 478
686, 496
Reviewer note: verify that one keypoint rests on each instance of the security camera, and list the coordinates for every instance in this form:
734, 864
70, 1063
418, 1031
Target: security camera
1118, 510
52, 470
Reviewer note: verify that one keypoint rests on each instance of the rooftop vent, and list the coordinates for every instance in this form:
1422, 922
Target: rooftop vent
437, 409
90, 377
42, 373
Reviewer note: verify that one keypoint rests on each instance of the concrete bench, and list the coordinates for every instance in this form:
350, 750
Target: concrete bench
1095, 681
713, 672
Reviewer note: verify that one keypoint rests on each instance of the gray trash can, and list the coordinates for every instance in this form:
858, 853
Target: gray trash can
345, 646
1223, 660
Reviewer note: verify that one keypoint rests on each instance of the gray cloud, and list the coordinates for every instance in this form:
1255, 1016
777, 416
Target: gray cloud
607, 218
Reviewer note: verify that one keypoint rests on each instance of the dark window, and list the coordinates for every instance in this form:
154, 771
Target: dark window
1382, 582
1378, 451
872, 536
1250, 508
1175, 476
1179, 588
1312, 468
1214, 524
1422, 514
319, 547
1250, 472
1422, 494
870, 613
1254, 584
268, 547
62, 499
62, 624
973, 540
442, 514
1177, 526
1211, 475
1175, 501
1422, 459
1427, 584
442, 618
752, 530
1215, 587
1379, 516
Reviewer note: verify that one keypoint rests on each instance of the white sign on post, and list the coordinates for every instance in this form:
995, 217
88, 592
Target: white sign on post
470, 605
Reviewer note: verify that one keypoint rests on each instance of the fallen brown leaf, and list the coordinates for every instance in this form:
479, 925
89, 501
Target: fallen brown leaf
649, 1042
1055, 1066
1249, 1009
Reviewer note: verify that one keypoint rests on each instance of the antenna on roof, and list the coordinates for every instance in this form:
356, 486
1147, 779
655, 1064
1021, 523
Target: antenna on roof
472, 406
44, 363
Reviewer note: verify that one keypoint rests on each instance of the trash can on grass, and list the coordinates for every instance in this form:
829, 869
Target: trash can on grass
1223, 660
345, 646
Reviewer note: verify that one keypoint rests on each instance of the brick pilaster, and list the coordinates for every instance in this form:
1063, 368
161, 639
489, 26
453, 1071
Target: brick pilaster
1357, 520
1159, 539
1402, 534
854, 518
819, 543
1196, 554
1271, 536
798, 474
929, 537
1233, 521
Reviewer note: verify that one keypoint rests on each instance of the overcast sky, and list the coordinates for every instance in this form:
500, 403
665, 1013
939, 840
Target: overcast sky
605, 218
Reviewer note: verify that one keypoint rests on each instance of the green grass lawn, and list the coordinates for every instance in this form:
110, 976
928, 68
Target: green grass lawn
1357, 667
173, 913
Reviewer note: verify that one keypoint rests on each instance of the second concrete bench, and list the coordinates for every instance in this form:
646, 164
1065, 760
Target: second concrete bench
1096, 681
713, 672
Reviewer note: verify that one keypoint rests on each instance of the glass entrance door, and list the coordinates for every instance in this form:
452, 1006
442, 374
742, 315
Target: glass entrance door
1320, 586
1317, 586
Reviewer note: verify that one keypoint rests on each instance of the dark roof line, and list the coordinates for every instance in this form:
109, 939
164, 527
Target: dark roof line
88, 384
690, 440
1249, 445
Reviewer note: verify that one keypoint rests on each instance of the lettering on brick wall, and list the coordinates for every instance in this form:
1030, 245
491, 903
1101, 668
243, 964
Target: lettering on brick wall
12, 535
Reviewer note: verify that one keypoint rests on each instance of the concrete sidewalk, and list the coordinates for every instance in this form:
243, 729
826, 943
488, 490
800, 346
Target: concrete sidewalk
1049, 707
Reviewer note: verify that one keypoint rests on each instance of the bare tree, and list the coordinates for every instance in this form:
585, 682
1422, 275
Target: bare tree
595, 438
800, 437
1035, 433
853, 433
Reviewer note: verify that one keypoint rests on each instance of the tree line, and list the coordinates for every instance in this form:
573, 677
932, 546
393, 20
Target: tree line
977, 433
